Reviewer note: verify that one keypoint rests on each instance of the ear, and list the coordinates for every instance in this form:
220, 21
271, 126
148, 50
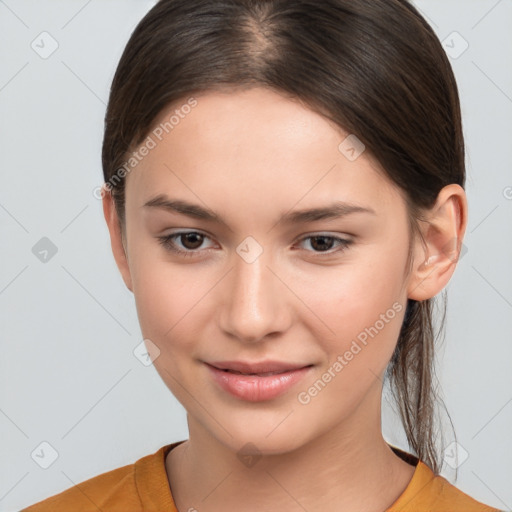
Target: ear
117, 240
435, 258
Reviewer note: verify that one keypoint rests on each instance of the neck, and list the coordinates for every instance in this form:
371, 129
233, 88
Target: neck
349, 467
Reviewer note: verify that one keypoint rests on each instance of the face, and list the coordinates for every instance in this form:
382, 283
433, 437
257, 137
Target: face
257, 283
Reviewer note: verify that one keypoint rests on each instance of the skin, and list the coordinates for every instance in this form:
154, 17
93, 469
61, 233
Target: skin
250, 156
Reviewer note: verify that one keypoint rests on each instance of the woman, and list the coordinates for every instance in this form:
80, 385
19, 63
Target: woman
284, 195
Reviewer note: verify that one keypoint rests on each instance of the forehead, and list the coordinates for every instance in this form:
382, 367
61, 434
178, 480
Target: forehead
253, 144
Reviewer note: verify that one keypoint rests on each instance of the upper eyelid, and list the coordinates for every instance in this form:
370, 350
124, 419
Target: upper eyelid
205, 233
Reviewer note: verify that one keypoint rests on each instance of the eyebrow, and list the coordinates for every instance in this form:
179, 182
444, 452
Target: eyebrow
334, 210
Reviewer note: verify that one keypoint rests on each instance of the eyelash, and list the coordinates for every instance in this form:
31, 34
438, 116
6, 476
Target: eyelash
168, 244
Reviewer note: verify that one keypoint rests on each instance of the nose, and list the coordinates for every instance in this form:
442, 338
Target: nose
256, 305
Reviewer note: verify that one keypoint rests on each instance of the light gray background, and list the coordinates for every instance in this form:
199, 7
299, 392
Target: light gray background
69, 326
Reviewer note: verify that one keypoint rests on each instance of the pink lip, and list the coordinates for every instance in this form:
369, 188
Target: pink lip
256, 388
257, 367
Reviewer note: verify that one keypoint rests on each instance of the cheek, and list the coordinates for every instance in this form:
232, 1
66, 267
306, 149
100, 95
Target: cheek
157, 295
167, 304
168, 300
364, 311
360, 304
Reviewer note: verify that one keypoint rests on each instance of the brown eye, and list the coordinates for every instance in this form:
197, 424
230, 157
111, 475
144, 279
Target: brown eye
185, 243
324, 243
191, 240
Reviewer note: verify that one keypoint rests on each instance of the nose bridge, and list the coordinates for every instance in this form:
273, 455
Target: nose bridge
256, 305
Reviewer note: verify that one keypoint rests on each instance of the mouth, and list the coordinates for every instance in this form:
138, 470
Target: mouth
263, 368
257, 386
261, 374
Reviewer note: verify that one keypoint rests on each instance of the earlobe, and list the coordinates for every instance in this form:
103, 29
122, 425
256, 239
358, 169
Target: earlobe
116, 239
436, 257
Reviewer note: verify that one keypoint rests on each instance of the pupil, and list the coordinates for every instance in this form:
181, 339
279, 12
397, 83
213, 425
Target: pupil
190, 237
322, 245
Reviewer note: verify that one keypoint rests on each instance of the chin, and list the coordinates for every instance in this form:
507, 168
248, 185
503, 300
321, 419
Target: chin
259, 443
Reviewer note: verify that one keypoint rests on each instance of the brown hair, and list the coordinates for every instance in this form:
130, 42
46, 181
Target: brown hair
374, 67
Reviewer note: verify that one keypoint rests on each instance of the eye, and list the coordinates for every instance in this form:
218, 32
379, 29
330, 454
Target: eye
190, 240
325, 242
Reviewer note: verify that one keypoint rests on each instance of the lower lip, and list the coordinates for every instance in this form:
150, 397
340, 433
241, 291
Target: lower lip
255, 388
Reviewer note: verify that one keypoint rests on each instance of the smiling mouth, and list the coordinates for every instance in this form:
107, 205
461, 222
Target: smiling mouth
257, 386
262, 374
258, 368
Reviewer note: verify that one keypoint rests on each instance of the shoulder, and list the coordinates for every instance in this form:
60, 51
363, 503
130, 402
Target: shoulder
449, 497
94, 493
434, 493
116, 490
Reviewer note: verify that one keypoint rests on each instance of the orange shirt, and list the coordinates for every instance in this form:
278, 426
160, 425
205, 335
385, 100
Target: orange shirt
144, 487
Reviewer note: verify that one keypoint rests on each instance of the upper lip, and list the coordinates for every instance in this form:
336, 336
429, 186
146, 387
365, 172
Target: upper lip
257, 367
